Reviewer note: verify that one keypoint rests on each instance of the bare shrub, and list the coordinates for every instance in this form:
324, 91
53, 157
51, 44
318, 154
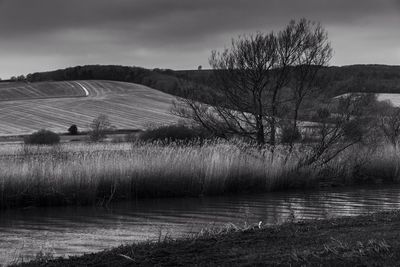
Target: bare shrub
99, 128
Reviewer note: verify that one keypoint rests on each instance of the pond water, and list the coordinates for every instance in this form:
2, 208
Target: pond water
74, 231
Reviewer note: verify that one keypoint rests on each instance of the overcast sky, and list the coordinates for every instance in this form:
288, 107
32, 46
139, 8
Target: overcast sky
37, 35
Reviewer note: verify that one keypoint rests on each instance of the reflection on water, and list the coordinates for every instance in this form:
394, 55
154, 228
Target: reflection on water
68, 231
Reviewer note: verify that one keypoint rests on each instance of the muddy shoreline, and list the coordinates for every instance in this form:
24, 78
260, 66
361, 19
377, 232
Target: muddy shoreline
371, 240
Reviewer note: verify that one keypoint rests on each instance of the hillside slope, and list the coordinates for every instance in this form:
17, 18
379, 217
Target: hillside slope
23, 90
128, 106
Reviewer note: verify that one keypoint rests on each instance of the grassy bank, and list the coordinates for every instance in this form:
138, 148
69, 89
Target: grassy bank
371, 240
96, 174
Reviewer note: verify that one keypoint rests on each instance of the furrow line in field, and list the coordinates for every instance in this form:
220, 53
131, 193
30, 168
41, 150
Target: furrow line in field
84, 89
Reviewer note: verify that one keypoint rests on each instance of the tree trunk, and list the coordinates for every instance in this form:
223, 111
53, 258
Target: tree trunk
260, 131
294, 129
274, 113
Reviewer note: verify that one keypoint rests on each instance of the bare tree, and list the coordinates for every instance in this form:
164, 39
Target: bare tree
312, 53
390, 125
256, 77
99, 128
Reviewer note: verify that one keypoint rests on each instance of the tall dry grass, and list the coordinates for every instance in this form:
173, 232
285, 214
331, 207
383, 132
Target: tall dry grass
84, 174
97, 174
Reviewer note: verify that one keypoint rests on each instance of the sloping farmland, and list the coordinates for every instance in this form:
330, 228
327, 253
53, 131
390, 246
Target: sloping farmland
393, 98
23, 90
25, 107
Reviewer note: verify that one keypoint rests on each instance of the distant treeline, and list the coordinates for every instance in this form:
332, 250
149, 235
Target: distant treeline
338, 80
362, 78
334, 80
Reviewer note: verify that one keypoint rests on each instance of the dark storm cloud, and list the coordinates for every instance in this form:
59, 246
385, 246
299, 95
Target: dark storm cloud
179, 18
174, 33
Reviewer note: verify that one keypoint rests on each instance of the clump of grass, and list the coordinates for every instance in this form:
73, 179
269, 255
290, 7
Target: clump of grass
363, 165
343, 251
175, 133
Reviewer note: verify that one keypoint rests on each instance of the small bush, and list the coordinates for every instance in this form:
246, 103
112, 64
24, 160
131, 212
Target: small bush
353, 130
175, 133
290, 134
42, 137
73, 130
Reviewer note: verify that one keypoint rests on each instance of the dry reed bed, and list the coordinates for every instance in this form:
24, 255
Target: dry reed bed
97, 174
82, 174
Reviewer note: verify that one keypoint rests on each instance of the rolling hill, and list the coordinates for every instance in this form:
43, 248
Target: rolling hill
27, 107
39, 90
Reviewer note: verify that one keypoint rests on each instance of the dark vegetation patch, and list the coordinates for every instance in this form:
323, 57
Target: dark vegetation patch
42, 137
371, 240
290, 134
